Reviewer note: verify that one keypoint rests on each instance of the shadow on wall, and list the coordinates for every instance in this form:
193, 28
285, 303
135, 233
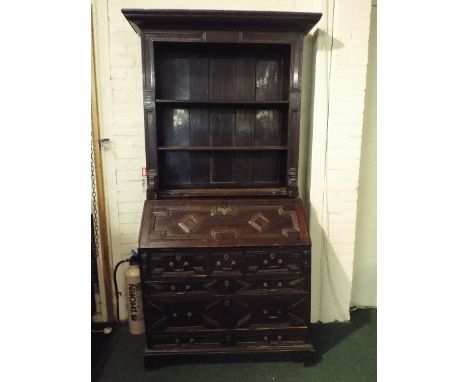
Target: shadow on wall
310, 49
331, 287
364, 291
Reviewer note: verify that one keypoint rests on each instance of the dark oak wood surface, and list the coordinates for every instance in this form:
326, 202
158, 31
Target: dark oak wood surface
221, 96
147, 19
189, 223
224, 248
221, 79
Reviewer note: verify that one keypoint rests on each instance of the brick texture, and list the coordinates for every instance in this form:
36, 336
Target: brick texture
347, 91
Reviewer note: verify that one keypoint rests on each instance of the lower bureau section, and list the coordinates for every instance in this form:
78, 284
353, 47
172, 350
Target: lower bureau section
227, 301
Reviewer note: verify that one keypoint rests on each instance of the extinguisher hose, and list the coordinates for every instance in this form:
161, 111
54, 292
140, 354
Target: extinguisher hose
117, 293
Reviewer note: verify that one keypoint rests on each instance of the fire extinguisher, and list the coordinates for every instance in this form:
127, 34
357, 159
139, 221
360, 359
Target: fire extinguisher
136, 323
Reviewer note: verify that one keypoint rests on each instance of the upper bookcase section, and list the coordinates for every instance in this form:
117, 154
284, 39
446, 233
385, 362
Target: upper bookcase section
221, 96
157, 19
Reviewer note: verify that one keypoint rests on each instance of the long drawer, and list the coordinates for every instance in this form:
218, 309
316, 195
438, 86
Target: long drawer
244, 338
203, 263
228, 285
189, 313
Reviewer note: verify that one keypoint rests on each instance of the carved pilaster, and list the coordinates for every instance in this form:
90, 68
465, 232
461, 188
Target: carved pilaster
152, 177
148, 99
292, 182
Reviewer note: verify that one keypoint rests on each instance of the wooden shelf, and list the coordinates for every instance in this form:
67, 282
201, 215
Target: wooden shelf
211, 103
222, 148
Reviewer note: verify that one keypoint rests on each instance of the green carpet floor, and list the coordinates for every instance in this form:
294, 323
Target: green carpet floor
347, 353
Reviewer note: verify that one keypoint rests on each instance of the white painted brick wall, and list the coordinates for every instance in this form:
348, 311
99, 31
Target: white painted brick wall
347, 91
123, 121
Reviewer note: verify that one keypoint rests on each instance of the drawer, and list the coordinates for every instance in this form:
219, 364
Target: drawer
241, 338
184, 340
193, 287
169, 315
163, 265
227, 263
284, 312
264, 286
277, 261
243, 285
271, 338
161, 289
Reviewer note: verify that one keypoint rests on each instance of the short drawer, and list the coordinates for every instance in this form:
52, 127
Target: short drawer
286, 312
223, 263
158, 265
184, 340
271, 285
189, 286
277, 261
169, 315
271, 338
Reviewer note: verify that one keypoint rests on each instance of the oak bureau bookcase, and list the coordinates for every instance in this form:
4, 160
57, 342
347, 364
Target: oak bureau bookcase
224, 248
